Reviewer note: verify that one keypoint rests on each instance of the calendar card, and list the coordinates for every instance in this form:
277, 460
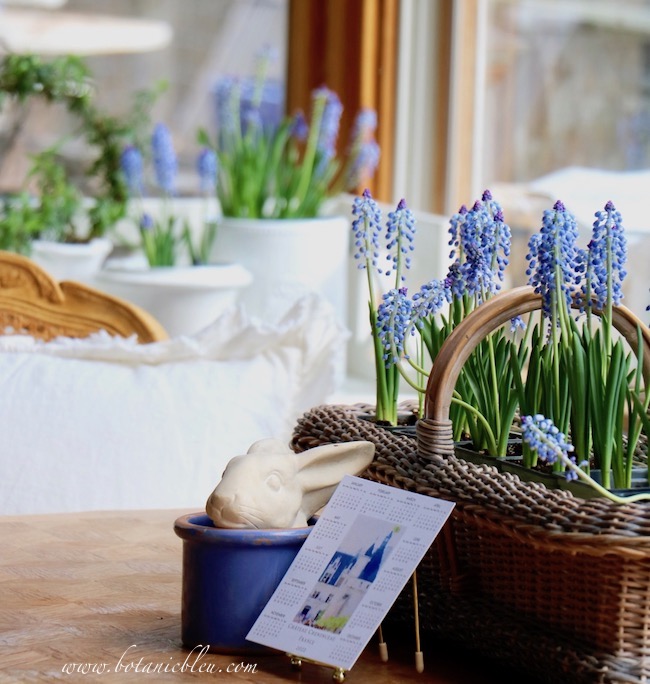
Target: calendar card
355, 561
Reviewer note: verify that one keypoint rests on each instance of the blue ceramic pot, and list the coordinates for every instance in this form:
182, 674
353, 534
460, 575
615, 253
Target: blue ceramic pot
228, 578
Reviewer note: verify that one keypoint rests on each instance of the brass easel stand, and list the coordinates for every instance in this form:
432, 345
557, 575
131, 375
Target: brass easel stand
338, 675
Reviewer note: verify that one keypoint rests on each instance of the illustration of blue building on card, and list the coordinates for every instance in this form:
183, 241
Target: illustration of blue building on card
350, 572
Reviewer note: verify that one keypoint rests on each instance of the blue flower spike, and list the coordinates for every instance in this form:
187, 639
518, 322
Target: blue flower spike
328, 129
164, 158
364, 152
480, 248
132, 165
606, 258
393, 322
553, 257
206, 166
146, 222
430, 299
366, 227
551, 445
400, 233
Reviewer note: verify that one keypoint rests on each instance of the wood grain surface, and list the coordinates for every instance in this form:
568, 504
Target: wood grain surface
104, 588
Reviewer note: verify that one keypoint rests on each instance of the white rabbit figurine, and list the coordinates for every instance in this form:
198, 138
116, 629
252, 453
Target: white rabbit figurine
271, 486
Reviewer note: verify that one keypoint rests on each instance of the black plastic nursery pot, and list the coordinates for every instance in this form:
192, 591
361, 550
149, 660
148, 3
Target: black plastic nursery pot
514, 465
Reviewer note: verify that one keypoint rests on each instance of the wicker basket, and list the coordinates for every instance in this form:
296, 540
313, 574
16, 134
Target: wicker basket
556, 585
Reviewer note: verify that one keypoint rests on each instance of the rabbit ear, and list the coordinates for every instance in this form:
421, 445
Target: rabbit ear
325, 466
269, 446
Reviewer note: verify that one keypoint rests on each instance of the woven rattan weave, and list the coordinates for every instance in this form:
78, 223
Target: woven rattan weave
554, 584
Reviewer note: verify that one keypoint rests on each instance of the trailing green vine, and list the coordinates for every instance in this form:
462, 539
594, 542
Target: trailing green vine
67, 80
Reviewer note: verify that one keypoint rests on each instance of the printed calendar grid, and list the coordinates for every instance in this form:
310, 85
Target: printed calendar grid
359, 555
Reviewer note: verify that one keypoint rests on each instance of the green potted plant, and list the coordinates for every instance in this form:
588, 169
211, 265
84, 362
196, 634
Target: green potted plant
575, 372
56, 211
562, 575
275, 179
53, 207
171, 275
19, 223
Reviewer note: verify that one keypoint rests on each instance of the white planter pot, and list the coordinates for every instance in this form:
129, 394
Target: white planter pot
288, 257
71, 261
184, 299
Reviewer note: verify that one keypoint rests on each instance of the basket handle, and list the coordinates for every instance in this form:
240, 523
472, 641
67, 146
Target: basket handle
490, 316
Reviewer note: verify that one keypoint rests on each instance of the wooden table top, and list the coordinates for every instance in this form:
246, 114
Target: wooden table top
104, 588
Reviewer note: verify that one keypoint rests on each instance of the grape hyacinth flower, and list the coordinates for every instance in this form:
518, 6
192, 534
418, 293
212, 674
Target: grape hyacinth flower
391, 319
366, 227
251, 122
162, 234
480, 242
146, 222
393, 322
328, 128
290, 164
607, 256
164, 158
552, 260
475, 270
131, 164
517, 323
454, 275
206, 166
400, 232
430, 299
455, 223
260, 98
363, 152
364, 164
496, 240
365, 123
551, 445
227, 99
299, 127
471, 268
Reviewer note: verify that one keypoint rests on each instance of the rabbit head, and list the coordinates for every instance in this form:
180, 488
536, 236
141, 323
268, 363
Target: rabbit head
272, 487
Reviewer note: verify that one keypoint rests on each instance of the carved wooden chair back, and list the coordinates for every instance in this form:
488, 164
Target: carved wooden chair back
31, 302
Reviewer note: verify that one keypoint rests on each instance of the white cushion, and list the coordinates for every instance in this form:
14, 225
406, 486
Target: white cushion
105, 423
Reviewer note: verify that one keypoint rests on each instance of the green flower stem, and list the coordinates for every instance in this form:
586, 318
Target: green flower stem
235, 108
493, 376
641, 414
637, 409
602, 490
260, 78
588, 308
493, 368
421, 389
422, 377
580, 387
609, 304
492, 444
387, 379
392, 382
555, 341
561, 341
382, 402
310, 151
